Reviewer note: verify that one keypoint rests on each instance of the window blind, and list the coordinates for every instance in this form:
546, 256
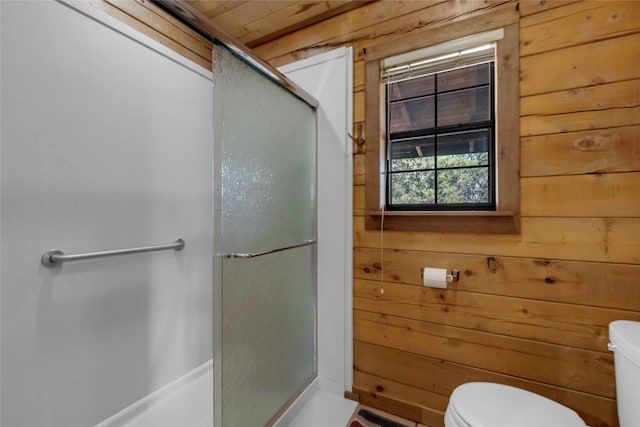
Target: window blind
457, 53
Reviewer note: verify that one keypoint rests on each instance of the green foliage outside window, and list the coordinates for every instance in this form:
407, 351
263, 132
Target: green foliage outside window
465, 183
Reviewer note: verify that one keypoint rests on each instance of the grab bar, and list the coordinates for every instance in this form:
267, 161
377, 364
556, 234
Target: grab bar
56, 257
257, 254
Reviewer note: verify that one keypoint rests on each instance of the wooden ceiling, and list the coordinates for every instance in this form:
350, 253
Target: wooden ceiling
254, 22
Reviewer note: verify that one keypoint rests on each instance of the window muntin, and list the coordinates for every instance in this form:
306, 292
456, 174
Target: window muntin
441, 140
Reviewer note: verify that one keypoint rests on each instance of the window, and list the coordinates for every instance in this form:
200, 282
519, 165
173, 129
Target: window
440, 137
442, 126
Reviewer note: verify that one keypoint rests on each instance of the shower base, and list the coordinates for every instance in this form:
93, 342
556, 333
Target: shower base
187, 401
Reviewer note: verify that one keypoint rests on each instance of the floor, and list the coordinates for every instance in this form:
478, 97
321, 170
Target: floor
358, 420
326, 409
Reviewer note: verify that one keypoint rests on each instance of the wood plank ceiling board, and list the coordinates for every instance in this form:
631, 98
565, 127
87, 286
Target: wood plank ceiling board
255, 22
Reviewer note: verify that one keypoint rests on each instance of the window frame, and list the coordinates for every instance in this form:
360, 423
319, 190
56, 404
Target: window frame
506, 218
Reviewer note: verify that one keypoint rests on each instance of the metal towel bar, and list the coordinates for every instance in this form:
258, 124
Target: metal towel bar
56, 257
257, 254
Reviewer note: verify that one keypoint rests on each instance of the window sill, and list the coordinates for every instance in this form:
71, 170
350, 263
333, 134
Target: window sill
477, 222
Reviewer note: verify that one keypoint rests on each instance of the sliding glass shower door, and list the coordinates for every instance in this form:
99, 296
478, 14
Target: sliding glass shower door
265, 220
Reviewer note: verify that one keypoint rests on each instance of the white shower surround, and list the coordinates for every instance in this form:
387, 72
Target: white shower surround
94, 157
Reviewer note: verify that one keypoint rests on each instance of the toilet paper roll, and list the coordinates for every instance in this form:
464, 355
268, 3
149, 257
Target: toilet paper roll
434, 277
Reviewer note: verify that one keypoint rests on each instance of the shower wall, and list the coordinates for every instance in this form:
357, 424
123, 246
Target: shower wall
99, 152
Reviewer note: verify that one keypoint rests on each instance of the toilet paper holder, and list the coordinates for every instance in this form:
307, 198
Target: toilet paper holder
454, 276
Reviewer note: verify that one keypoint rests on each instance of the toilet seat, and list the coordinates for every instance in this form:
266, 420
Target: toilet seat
481, 404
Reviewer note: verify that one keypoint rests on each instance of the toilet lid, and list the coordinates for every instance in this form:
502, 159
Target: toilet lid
497, 405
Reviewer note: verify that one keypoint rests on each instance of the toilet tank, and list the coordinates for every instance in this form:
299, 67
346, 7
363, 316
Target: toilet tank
625, 344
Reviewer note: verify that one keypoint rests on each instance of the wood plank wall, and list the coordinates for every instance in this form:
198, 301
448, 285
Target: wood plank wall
530, 310
160, 26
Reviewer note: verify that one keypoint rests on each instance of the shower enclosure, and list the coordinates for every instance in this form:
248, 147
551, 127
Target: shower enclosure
158, 228
265, 239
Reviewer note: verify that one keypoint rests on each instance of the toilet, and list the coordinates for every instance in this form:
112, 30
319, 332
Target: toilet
482, 404
625, 344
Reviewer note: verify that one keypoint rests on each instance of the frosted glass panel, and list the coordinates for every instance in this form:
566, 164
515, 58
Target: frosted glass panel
268, 339
268, 162
265, 199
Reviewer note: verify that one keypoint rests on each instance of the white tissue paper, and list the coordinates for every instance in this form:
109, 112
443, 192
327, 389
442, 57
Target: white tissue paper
434, 277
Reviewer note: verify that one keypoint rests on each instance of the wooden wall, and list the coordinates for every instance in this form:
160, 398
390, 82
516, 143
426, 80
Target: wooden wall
530, 310
160, 26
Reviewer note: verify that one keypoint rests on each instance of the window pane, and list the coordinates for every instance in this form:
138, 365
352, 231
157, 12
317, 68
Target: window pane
463, 186
412, 154
463, 149
412, 115
411, 88
464, 106
464, 77
411, 188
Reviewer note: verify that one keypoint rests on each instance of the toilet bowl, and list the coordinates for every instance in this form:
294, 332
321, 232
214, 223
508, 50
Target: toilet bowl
481, 404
